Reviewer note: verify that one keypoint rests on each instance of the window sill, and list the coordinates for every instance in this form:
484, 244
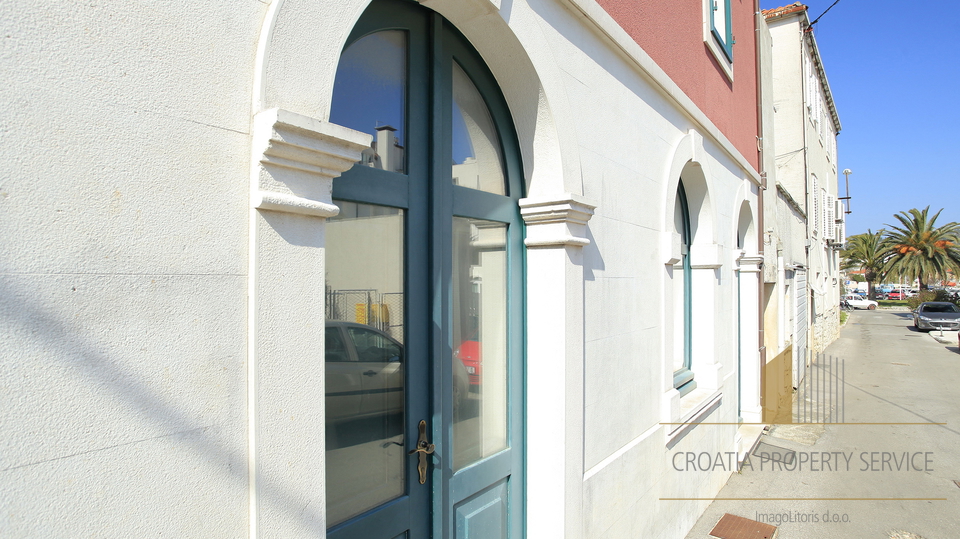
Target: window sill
718, 54
694, 408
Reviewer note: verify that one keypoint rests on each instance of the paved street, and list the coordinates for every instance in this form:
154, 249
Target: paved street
896, 476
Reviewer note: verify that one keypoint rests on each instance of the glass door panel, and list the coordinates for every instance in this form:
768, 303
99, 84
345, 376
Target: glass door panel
365, 361
369, 96
479, 289
477, 159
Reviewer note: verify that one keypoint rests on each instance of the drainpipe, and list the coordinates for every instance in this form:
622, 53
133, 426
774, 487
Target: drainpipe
758, 17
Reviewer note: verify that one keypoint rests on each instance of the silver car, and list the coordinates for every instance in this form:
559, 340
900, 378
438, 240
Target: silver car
937, 315
364, 373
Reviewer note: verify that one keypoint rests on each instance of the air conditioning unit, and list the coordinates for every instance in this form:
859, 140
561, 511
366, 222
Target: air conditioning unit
838, 212
839, 237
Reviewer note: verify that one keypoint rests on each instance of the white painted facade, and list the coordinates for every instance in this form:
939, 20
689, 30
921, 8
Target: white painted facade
808, 227
163, 213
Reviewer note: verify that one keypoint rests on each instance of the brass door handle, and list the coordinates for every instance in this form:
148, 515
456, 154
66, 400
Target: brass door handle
423, 448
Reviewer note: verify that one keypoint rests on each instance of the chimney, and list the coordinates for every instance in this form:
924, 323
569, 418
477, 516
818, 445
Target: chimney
387, 148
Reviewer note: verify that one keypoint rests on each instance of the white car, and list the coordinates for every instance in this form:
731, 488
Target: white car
859, 302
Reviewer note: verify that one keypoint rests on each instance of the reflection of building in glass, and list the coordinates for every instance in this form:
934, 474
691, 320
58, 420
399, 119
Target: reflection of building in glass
364, 281
385, 152
467, 173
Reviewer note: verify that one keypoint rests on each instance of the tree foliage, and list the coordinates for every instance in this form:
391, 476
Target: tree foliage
865, 252
918, 249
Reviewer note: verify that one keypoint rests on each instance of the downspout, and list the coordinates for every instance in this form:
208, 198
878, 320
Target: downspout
763, 187
807, 197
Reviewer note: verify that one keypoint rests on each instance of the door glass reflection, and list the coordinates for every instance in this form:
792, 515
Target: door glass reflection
364, 388
477, 160
480, 340
369, 96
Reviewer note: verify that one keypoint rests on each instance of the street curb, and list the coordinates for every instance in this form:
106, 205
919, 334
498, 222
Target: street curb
949, 337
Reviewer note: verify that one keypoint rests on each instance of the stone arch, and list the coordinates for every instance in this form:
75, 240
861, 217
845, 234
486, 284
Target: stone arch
746, 238
689, 165
295, 71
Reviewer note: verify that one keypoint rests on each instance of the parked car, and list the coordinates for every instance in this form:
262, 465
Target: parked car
859, 302
364, 373
936, 315
469, 354
897, 295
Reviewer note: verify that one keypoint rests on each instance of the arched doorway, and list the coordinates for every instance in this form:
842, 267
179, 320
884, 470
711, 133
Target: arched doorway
424, 267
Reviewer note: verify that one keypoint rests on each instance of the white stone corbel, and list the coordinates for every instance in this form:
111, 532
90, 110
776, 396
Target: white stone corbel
750, 264
672, 245
296, 159
557, 221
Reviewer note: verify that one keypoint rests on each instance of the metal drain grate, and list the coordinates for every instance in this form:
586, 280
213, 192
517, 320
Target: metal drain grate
734, 527
771, 452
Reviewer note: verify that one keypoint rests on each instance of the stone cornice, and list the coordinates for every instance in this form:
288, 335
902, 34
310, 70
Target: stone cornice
557, 221
790, 200
295, 161
748, 264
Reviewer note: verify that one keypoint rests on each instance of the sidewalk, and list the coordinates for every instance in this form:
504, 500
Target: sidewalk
881, 459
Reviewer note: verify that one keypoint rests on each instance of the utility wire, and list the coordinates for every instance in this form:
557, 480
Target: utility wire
824, 13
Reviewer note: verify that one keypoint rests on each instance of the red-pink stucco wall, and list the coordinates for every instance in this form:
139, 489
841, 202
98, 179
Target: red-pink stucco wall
671, 32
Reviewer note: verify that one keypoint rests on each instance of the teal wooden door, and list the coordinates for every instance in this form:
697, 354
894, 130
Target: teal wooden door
424, 391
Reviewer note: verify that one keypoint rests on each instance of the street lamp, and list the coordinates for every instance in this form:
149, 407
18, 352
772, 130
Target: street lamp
846, 174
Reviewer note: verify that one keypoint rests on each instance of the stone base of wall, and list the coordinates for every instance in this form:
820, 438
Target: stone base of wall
825, 330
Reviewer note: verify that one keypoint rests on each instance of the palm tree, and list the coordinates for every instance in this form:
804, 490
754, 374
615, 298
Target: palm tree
865, 252
918, 249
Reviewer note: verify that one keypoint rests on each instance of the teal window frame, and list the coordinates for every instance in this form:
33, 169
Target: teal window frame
683, 379
723, 36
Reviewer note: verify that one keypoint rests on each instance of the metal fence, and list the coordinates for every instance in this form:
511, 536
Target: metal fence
370, 307
821, 392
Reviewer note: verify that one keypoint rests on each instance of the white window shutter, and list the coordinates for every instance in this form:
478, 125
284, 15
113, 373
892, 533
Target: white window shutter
827, 221
815, 198
829, 226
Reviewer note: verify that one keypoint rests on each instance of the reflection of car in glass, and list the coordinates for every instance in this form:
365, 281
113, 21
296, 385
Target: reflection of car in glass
364, 373
858, 302
469, 354
936, 315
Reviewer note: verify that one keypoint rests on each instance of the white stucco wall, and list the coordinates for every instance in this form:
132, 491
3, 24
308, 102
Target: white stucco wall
124, 245
129, 249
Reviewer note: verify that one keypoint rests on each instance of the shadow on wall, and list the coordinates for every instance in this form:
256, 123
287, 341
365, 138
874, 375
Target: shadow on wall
592, 258
21, 315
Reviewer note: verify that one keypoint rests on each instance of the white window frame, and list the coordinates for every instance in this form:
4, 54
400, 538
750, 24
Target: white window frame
720, 41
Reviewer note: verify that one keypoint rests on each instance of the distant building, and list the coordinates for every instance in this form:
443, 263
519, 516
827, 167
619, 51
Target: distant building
809, 229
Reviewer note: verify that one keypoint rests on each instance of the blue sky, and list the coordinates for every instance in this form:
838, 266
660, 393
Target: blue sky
894, 69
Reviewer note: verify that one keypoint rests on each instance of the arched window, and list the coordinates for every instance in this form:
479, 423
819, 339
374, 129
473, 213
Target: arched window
683, 297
